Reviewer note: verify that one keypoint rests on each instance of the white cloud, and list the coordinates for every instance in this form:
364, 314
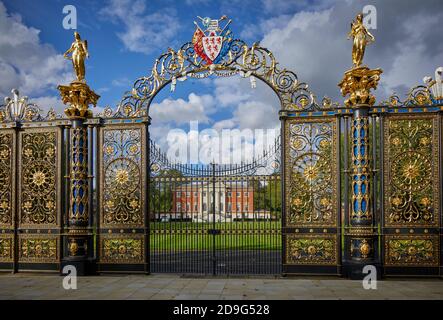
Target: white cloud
230, 92
180, 111
414, 59
47, 102
256, 115
224, 124
144, 30
25, 62
159, 133
313, 43
284, 6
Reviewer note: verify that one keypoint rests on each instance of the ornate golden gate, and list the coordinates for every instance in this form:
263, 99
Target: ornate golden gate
361, 184
411, 162
31, 189
311, 217
123, 235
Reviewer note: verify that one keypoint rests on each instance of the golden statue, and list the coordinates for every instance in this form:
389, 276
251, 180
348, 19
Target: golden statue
362, 37
79, 51
358, 82
77, 95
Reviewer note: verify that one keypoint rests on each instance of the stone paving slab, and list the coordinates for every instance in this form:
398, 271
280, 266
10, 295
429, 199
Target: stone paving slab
174, 287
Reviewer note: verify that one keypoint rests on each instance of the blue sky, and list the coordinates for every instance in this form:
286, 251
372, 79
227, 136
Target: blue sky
113, 66
125, 37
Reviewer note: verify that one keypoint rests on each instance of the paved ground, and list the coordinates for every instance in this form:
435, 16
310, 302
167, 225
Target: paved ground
31, 286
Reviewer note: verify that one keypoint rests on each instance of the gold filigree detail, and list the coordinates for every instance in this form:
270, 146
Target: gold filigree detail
6, 249
419, 251
50, 152
410, 180
4, 154
122, 250
38, 180
310, 250
311, 174
411, 171
122, 177
6, 165
38, 250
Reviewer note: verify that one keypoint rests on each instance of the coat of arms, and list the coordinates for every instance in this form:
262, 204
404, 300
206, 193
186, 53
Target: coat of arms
211, 42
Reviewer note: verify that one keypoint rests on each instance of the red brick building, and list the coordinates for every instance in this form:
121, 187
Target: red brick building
233, 200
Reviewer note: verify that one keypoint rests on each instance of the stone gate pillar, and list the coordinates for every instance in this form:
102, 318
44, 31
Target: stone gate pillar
360, 226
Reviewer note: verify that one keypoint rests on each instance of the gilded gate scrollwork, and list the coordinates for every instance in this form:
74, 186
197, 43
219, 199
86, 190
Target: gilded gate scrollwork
412, 199
311, 191
30, 188
7, 195
311, 195
6, 248
121, 249
412, 250
38, 184
412, 172
39, 194
311, 250
38, 248
122, 177
6, 166
122, 171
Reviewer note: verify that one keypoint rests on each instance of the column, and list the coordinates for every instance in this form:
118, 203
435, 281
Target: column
78, 240
361, 233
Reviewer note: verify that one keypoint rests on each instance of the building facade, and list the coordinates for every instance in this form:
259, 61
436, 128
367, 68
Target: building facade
233, 200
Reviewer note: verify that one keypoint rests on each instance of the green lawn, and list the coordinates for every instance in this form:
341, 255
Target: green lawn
182, 236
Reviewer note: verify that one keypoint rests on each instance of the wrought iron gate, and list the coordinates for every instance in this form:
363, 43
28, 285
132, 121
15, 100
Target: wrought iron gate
361, 184
122, 241
311, 216
31, 187
402, 191
411, 189
216, 219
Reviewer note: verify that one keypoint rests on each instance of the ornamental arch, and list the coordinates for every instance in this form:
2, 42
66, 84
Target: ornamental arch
253, 62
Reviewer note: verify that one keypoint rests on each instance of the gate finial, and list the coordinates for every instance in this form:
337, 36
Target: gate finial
359, 81
361, 37
77, 94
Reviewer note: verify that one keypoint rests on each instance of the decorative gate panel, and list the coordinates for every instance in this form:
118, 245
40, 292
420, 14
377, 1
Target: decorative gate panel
311, 241
39, 193
411, 194
123, 185
7, 197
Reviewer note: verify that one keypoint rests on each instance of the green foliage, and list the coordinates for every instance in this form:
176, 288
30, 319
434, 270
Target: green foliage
161, 197
267, 196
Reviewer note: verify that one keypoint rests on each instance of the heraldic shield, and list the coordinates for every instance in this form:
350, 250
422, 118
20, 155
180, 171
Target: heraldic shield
211, 43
